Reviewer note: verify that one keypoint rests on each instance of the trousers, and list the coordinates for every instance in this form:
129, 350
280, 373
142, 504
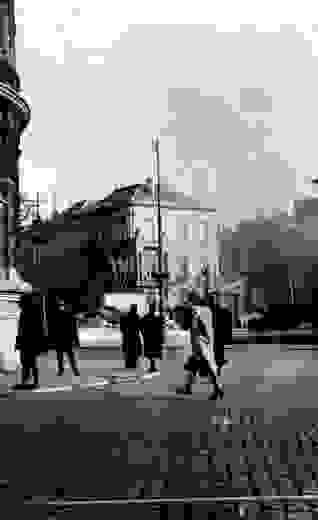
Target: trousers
29, 367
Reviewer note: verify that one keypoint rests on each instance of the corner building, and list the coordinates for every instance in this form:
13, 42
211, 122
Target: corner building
14, 117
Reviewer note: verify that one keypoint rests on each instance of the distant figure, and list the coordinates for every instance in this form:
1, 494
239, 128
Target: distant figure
31, 339
152, 331
67, 337
131, 333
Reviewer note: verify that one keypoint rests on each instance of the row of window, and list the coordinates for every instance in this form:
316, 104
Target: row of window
187, 232
204, 231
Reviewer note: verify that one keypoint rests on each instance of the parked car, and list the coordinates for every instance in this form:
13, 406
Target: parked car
97, 335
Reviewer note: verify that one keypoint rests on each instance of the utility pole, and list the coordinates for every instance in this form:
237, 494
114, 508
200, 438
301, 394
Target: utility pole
159, 275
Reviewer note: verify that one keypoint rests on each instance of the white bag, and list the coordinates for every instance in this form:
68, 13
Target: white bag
9, 357
206, 345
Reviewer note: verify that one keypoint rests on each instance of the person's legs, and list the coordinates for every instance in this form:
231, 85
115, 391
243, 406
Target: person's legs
73, 362
191, 368
217, 389
152, 367
60, 362
25, 366
34, 370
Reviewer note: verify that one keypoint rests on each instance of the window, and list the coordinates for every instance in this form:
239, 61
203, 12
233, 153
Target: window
186, 231
165, 262
204, 231
183, 266
148, 230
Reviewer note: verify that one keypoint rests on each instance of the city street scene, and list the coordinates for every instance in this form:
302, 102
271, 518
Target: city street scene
158, 261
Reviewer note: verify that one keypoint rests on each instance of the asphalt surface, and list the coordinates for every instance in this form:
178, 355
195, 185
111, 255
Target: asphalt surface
134, 440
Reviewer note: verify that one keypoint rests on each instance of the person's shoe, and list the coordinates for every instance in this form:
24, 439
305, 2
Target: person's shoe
184, 390
20, 386
218, 392
23, 386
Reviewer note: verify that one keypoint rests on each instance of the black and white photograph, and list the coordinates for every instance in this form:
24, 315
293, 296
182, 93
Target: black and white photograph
158, 259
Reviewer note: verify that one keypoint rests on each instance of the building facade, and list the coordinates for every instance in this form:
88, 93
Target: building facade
111, 245
14, 117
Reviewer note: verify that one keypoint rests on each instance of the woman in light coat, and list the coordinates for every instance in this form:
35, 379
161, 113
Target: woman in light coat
201, 360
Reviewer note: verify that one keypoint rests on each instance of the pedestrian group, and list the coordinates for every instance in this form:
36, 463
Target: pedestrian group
48, 322
210, 328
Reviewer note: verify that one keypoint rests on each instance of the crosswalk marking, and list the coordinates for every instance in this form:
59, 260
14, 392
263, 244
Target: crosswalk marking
115, 379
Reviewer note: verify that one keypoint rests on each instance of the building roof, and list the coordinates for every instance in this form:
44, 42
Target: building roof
137, 195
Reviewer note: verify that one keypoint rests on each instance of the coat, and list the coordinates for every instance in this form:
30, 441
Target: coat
152, 330
201, 334
68, 331
31, 334
62, 326
223, 331
131, 328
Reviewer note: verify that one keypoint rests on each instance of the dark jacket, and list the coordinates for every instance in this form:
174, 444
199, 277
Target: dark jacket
68, 331
31, 331
222, 330
131, 328
152, 330
62, 326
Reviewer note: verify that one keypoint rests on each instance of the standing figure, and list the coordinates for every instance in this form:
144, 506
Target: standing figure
67, 338
200, 361
152, 330
132, 345
31, 339
222, 323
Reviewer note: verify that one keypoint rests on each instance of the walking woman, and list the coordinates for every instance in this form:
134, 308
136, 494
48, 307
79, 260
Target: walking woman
201, 360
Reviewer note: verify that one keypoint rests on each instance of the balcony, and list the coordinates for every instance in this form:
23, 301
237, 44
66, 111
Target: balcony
9, 92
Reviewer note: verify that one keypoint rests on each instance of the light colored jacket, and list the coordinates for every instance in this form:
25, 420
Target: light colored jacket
202, 343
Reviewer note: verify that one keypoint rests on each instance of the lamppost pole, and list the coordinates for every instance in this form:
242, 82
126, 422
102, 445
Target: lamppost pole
155, 143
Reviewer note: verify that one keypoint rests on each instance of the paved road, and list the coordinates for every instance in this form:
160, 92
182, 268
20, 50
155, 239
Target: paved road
135, 440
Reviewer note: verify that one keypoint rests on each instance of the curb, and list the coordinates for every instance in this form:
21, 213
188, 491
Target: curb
112, 380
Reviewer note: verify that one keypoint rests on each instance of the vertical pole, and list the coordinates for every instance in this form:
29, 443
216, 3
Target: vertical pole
38, 205
292, 291
155, 142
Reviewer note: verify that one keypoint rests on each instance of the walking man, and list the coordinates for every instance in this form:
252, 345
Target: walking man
222, 325
152, 331
68, 338
200, 361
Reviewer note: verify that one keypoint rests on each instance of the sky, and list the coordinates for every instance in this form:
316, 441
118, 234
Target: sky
230, 88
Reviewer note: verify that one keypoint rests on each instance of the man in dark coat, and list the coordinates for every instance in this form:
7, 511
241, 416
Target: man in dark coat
130, 328
31, 338
222, 323
153, 334
67, 337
